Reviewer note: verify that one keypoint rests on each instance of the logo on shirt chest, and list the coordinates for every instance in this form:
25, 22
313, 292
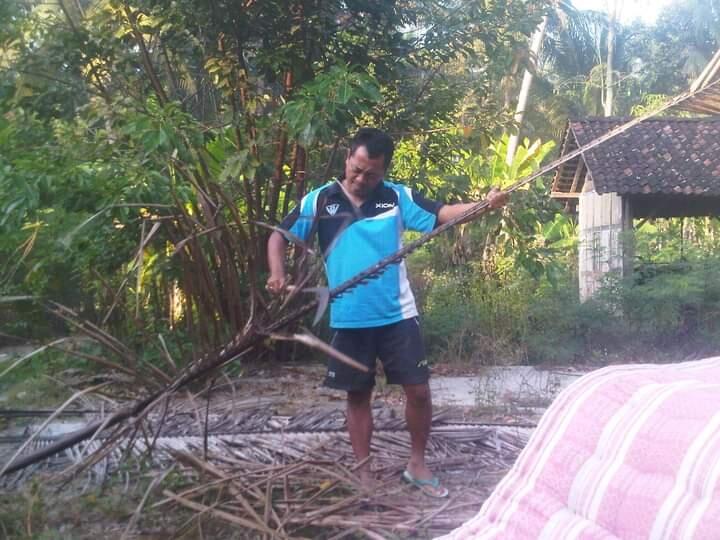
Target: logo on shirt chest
332, 209
385, 205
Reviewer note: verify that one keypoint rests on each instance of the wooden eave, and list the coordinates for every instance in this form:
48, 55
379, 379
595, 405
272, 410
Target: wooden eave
570, 176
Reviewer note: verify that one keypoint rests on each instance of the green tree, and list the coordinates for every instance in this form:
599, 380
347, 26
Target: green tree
142, 143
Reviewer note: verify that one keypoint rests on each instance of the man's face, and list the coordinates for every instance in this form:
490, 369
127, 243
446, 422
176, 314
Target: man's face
363, 173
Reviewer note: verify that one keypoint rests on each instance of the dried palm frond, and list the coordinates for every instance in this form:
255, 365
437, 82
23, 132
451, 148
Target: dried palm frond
304, 483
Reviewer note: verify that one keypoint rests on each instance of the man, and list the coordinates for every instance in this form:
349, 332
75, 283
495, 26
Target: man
359, 220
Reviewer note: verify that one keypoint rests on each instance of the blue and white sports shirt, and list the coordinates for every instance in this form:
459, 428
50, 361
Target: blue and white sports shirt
353, 239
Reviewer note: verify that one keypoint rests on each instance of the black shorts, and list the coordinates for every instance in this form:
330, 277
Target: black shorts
398, 346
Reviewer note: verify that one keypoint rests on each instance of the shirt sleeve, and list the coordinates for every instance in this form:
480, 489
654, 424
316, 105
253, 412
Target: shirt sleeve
299, 221
418, 213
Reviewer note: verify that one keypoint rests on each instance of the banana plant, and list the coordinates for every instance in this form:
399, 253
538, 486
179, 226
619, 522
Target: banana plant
531, 231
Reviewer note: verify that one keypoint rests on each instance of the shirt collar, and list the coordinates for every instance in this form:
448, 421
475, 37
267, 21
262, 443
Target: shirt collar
336, 189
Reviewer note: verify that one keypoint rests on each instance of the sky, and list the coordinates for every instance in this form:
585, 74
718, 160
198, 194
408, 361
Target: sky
644, 10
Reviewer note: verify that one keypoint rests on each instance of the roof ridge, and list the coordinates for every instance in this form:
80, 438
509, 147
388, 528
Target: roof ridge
655, 119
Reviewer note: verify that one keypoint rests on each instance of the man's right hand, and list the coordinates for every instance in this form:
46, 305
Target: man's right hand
496, 198
276, 284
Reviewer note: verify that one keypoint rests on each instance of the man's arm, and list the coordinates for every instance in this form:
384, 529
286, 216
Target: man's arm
448, 212
276, 248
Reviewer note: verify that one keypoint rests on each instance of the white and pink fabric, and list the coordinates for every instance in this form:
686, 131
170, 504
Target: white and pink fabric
626, 452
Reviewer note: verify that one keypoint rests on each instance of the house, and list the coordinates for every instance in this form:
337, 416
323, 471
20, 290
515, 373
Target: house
663, 167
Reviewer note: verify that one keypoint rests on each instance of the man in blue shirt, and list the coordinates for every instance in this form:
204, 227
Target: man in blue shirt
360, 219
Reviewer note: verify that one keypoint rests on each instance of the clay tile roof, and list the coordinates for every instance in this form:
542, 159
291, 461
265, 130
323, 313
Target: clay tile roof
658, 156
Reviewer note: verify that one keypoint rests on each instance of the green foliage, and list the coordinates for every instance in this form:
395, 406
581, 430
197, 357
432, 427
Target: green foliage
141, 143
325, 107
494, 171
668, 308
34, 381
661, 59
41, 511
529, 233
650, 102
676, 239
470, 318
659, 315
676, 274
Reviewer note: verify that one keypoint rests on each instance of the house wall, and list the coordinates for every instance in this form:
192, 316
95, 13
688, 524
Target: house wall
604, 244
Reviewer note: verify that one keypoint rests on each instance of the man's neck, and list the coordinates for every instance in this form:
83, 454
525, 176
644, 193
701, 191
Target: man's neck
354, 199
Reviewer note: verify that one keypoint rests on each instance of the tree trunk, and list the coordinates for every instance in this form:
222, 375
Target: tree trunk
298, 171
278, 175
524, 95
613, 12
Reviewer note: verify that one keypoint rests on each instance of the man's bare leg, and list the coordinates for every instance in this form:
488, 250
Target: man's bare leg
360, 428
418, 414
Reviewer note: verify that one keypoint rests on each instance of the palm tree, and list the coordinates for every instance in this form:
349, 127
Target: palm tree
535, 46
697, 25
562, 33
587, 63
614, 7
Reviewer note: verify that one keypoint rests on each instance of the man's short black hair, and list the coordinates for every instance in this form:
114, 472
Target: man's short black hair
377, 142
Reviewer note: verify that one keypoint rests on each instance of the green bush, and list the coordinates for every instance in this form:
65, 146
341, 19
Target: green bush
677, 303
480, 320
471, 318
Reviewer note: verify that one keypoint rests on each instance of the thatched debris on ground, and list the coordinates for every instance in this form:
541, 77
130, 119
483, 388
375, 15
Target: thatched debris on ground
290, 485
193, 423
292, 476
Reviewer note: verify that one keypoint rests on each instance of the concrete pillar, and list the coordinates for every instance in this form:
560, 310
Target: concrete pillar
605, 232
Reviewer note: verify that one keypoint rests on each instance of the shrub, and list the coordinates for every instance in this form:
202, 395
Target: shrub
522, 319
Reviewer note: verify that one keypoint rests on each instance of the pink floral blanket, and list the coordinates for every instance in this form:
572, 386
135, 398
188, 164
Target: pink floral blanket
626, 452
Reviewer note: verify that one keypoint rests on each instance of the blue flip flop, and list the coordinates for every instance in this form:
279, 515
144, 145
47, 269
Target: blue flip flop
436, 490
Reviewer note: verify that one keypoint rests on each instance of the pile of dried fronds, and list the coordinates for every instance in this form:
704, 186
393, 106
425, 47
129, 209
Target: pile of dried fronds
293, 476
290, 484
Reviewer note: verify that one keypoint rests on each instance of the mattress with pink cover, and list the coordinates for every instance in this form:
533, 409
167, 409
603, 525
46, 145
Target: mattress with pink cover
625, 452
